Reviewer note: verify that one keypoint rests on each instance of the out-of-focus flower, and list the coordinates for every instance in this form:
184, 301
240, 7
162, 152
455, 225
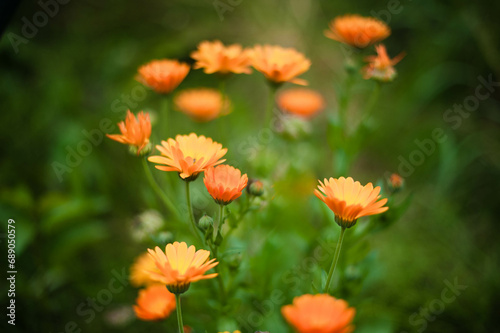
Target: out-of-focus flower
141, 269
319, 314
181, 265
350, 200
135, 131
146, 224
224, 183
380, 67
237, 331
279, 64
215, 57
357, 31
119, 316
255, 187
301, 102
188, 155
154, 303
396, 182
202, 104
163, 76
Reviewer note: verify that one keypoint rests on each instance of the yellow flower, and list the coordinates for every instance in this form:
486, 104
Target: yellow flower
154, 303
139, 271
279, 64
202, 104
380, 67
319, 314
188, 155
215, 57
357, 31
350, 200
163, 76
181, 265
135, 132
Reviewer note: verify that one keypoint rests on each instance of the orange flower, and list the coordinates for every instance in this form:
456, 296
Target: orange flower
180, 265
319, 314
357, 31
135, 132
163, 76
380, 67
215, 57
224, 183
189, 155
202, 104
154, 303
301, 102
350, 200
396, 181
279, 64
139, 271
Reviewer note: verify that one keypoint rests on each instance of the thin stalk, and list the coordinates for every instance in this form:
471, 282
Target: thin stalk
334, 262
270, 103
372, 101
179, 312
190, 210
159, 192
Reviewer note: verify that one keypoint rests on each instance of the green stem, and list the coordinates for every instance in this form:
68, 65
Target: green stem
334, 262
190, 211
372, 101
270, 103
179, 312
219, 277
159, 192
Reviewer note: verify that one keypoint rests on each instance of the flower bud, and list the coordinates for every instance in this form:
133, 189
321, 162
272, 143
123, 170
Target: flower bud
255, 187
205, 222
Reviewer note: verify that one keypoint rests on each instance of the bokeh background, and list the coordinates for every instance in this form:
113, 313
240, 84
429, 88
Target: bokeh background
75, 230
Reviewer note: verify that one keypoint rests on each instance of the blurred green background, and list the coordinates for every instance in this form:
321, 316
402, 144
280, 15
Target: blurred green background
75, 231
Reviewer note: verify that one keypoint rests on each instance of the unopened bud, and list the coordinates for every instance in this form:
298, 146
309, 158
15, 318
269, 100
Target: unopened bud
255, 187
205, 222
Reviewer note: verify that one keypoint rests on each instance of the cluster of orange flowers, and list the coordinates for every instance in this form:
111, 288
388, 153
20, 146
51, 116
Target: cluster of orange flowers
167, 273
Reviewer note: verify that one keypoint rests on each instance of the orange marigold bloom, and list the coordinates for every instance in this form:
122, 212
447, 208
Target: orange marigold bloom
139, 271
135, 132
319, 314
357, 31
380, 67
279, 64
202, 104
163, 76
350, 200
215, 57
180, 265
154, 303
301, 102
188, 155
224, 183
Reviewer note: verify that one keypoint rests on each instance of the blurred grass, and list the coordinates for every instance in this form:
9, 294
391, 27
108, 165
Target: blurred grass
73, 233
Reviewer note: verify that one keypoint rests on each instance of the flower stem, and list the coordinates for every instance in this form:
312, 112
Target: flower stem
335, 259
218, 224
270, 103
190, 211
179, 312
372, 101
159, 192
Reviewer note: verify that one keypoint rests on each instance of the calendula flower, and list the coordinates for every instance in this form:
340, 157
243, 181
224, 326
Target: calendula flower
181, 265
163, 76
319, 314
202, 104
396, 182
279, 64
224, 183
301, 102
214, 57
380, 67
188, 155
140, 270
154, 303
350, 200
135, 131
357, 31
